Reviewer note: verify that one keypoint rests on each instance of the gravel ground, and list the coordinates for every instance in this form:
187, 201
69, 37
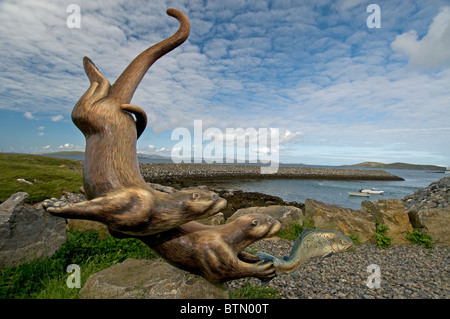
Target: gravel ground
406, 272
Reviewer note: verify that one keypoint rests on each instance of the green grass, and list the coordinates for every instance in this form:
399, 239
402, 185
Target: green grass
47, 277
419, 238
295, 230
249, 291
382, 239
51, 177
291, 233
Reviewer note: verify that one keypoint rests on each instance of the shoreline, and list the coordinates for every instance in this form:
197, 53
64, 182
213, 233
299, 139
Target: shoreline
407, 272
183, 174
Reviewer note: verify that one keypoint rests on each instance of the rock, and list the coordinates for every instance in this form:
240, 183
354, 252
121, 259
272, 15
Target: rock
436, 195
214, 220
286, 215
237, 199
149, 279
345, 220
434, 222
392, 213
27, 233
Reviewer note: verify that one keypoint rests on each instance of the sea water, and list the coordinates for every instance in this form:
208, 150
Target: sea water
327, 191
336, 192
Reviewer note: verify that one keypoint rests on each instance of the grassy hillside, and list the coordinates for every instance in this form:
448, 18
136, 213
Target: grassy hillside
75, 153
50, 177
398, 166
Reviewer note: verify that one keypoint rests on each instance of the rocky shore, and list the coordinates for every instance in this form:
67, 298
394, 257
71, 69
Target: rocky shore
406, 272
187, 174
436, 195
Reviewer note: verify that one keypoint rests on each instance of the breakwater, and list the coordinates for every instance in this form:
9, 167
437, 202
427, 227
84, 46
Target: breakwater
168, 173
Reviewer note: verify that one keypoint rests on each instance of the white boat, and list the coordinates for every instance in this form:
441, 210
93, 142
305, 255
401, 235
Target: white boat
374, 191
358, 194
447, 170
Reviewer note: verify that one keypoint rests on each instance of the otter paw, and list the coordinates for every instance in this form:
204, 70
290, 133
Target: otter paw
265, 269
54, 205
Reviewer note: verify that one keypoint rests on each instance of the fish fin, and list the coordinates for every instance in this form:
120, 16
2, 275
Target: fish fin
306, 231
327, 255
300, 238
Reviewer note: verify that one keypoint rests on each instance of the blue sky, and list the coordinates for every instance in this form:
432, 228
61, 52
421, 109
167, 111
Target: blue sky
338, 91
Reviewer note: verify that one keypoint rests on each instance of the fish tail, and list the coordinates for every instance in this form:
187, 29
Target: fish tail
265, 256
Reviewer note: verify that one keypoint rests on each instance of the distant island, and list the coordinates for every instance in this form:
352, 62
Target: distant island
149, 157
397, 166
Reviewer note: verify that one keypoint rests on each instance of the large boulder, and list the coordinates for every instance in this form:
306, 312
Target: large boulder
237, 199
27, 232
286, 215
345, 220
392, 213
434, 222
149, 279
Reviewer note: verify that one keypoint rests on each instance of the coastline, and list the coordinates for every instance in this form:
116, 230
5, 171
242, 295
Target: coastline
185, 174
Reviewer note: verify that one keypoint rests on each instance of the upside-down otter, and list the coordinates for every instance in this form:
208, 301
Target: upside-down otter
216, 252
117, 194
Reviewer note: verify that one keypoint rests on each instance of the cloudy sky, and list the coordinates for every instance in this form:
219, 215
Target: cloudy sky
338, 91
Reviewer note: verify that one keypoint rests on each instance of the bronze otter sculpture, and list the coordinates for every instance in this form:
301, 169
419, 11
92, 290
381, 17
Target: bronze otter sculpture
216, 252
118, 196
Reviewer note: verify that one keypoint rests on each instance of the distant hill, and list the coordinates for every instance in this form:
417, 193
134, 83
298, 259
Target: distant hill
153, 156
68, 153
398, 166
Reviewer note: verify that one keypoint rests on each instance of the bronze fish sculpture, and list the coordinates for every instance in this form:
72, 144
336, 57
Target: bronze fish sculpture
310, 244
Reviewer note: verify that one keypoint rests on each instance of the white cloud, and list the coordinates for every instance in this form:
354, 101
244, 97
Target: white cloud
67, 145
290, 137
433, 50
57, 118
29, 115
40, 134
311, 69
41, 128
349, 4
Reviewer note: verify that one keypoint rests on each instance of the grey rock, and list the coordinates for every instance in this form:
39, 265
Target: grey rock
149, 279
27, 233
345, 220
434, 222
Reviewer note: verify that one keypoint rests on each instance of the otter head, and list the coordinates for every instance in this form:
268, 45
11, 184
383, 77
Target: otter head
200, 202
258, 226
